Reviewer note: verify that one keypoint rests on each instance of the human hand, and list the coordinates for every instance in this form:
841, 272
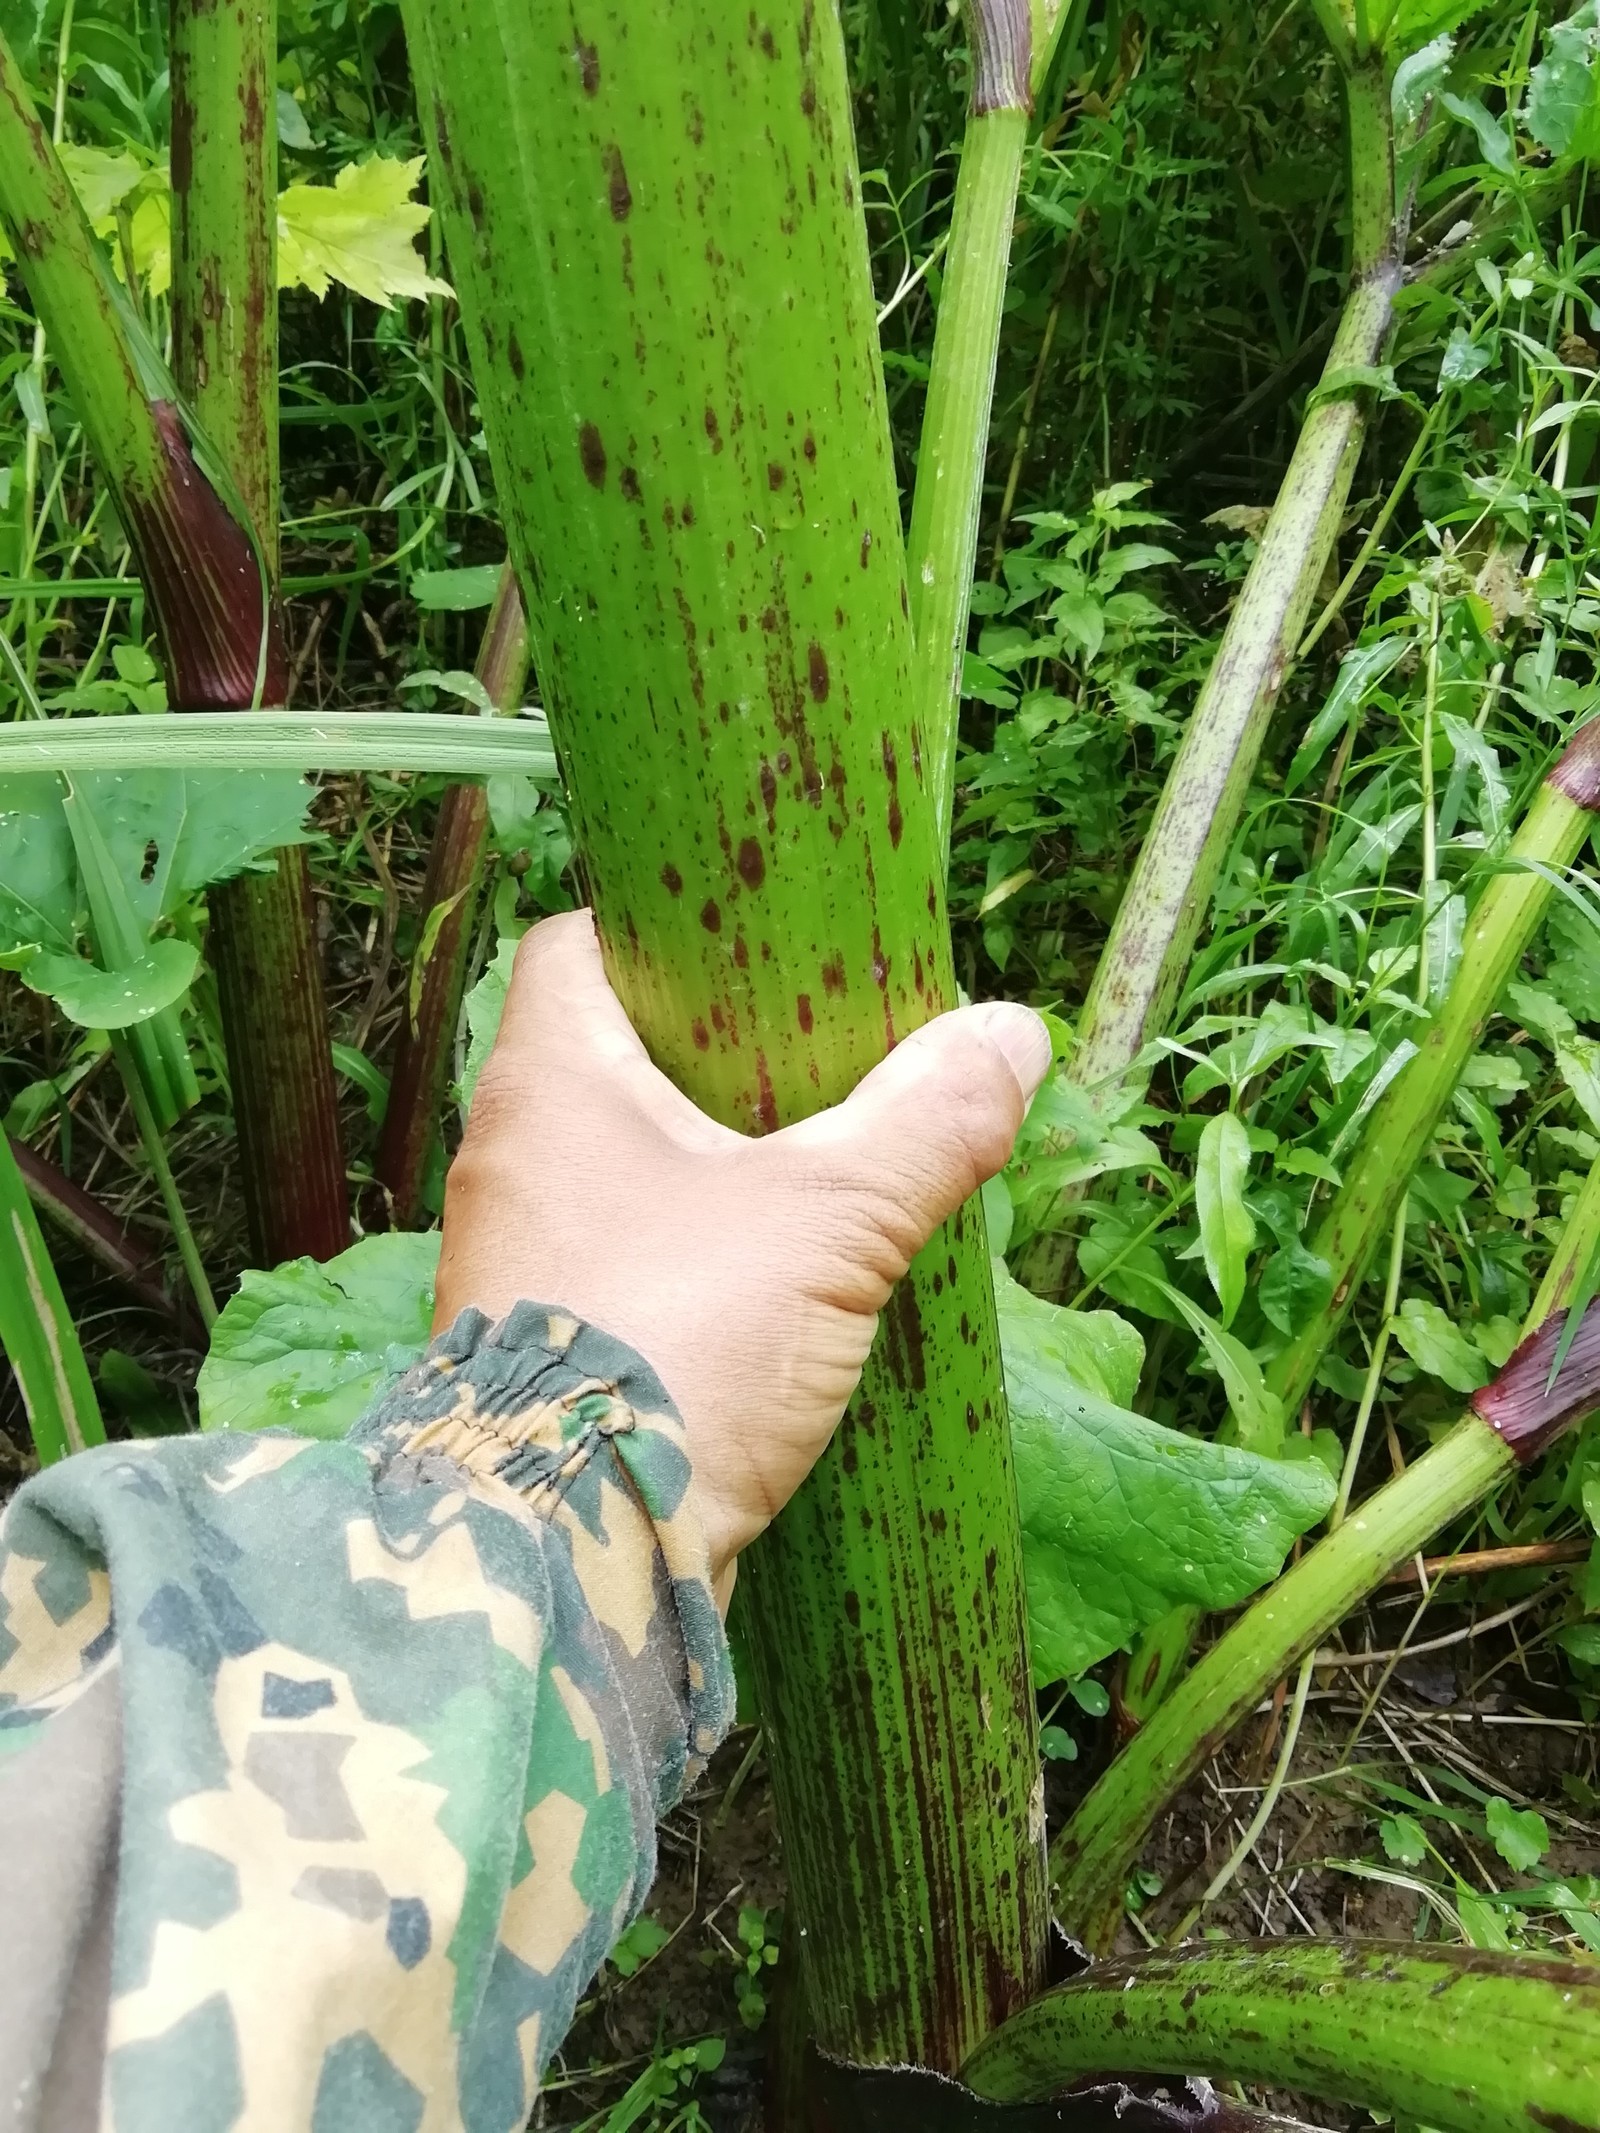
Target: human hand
748, 1273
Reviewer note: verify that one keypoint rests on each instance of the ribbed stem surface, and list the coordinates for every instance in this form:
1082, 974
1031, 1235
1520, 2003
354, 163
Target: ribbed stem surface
655, 229
1451, 2037
225, 344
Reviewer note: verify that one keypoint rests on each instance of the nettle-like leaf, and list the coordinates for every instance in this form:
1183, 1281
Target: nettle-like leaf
1123, 1520
361, 231
306, 1346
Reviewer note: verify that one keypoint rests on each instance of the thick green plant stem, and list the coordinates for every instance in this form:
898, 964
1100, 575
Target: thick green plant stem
449, 910
1452, 2037
225, 341
1095, 1852
36, 1330
1401, 1123
655, 228
1141, 969
457, 743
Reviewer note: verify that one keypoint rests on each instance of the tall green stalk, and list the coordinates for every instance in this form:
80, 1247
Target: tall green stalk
1508, 1424
1012, 46
1401, 1123
449, 909
36, 1330
225, 343
1141, 969
687, 419
1448, 2037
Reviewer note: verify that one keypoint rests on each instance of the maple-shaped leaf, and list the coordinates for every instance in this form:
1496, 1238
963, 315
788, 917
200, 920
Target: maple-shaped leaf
360, 230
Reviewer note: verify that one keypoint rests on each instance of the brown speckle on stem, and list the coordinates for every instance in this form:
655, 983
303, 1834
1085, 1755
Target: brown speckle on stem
593, 454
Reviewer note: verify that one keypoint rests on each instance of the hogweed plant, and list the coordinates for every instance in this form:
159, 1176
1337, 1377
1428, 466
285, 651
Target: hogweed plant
1284, 825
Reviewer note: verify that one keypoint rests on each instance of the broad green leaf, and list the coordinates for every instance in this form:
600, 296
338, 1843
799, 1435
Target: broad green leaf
1095, 1351
38, 867
1403, 1840
1295, 1286
360, 230
1493, 143
456, 591
1122, 1520
1416, 79
172, 833
1227, 1228
1415, 21
114, 999
1520, 1836
1436, 1344
454, 681
1562, 87
100, 179
1359, 673
1578, 1059
306, 1346
1463, 359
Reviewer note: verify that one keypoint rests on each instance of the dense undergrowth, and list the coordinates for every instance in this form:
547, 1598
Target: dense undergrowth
1177, 268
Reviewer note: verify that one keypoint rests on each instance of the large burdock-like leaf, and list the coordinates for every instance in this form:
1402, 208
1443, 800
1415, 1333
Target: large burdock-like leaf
306, 1346
1123, 1520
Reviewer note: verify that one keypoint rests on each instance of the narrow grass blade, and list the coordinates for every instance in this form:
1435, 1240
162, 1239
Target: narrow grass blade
36, 1330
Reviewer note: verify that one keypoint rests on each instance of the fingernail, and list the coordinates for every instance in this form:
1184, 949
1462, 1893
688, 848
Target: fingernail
1023, 1038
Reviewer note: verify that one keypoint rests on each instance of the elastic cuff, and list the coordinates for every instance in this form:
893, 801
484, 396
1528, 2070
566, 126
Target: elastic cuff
554, 1409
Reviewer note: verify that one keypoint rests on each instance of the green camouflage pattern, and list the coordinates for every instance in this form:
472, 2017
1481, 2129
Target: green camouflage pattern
399, 1715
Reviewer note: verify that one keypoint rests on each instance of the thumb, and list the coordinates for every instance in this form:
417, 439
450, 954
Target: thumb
936, 1118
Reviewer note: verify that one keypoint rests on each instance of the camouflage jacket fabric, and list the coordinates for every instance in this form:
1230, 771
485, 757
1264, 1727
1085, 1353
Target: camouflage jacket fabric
329, 1772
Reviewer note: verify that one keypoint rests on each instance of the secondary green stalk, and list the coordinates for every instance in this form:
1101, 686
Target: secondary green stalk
1011, 53
449, 908
1141, 969
1401, 1123
691, 443
1449, 2037
1508, 1423
36, 1330
225, 340
942, 542
192, 550
456, 743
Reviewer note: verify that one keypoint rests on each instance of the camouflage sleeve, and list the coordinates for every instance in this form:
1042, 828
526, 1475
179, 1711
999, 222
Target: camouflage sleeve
330, 1772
